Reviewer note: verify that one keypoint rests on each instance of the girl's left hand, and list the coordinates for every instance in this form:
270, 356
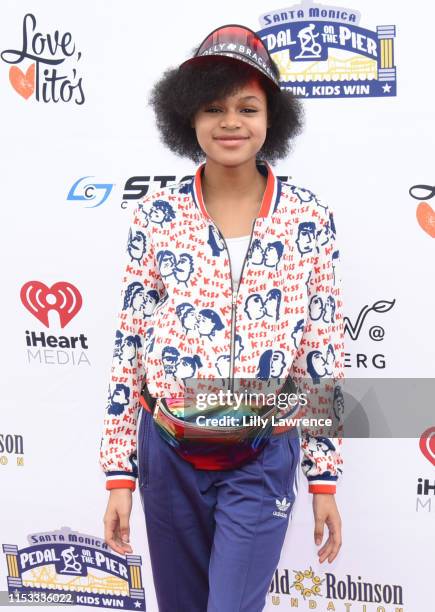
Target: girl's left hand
326, 511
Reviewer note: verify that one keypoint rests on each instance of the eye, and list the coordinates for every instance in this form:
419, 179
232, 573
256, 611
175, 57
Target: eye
250, 110
211, 109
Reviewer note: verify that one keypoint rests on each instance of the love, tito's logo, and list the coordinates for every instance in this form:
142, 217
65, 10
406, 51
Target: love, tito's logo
48, 63
425, 213
323, 52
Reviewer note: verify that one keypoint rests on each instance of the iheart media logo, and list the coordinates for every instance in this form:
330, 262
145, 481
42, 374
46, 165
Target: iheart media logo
62, 297
427, 444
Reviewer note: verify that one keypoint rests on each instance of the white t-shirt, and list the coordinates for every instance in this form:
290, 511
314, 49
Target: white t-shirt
237, 248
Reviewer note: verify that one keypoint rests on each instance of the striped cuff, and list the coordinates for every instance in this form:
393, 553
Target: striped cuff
322, 483
322, 487
120, 480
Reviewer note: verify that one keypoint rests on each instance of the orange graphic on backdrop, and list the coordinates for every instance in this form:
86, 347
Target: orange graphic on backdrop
23, 83
426, 218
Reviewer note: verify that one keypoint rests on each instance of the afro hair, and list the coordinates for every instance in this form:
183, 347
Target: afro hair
182, 91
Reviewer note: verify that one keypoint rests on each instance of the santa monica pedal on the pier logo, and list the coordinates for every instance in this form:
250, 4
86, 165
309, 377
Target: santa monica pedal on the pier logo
68, 567
323, 52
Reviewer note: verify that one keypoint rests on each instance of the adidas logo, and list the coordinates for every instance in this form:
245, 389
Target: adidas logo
283, 505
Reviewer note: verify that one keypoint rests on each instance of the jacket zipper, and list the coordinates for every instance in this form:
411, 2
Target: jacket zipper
234, 295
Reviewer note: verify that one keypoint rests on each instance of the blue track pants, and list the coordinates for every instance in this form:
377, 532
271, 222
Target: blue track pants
215, 537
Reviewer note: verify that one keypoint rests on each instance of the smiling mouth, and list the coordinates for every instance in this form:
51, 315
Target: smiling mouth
231, 138
230, 143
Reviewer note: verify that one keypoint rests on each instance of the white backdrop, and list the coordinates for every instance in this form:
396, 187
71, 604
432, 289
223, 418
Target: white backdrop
361, 155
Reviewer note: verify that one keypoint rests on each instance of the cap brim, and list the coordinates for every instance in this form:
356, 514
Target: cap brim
198, 59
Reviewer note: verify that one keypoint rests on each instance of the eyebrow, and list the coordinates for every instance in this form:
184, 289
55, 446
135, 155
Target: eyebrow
250, 97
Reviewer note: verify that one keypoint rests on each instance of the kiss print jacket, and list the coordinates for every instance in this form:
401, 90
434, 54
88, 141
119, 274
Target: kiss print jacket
180, 318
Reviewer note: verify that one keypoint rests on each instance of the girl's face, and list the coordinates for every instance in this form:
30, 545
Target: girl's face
185, 370
232, 130
190, 321
277, 364
138, 300
128, 350
205, 325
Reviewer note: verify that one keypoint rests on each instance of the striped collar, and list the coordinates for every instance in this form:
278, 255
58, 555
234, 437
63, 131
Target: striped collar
270, 195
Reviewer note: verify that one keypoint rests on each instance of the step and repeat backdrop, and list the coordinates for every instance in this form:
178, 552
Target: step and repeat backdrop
79, 148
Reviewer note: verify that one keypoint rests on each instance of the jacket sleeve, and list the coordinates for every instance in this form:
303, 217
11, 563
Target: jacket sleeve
141, 289
318, 367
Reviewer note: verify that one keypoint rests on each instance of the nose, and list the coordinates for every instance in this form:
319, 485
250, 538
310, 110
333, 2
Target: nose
230, 120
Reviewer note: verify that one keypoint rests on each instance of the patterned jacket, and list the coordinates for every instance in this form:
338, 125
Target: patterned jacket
180, 318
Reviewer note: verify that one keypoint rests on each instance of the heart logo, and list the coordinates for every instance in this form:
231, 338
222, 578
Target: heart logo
427, 444
426, 218
23, 83
62, 297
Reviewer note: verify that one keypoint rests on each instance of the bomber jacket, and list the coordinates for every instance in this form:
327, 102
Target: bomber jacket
178, 307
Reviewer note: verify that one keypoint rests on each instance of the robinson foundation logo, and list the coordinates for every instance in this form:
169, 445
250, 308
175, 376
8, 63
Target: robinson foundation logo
51, 349
329, 592
323, 52
11, 449
68, 567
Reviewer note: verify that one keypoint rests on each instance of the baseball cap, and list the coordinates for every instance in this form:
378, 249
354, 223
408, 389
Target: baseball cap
239, 43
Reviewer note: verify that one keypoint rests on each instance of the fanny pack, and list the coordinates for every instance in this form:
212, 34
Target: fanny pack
227, 445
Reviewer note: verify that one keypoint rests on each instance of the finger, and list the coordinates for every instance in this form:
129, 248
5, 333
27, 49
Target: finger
337, 542
333, 553
116, 543
332, 546
113, 542
124, 530
111, 535
324, 547
124, 546
326, 550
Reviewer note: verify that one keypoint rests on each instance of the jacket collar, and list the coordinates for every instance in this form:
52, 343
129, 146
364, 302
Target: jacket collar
270, 196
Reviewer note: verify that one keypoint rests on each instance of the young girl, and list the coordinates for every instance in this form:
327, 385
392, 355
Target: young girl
222, 276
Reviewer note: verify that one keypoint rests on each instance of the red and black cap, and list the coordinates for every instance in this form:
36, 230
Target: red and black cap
239, 43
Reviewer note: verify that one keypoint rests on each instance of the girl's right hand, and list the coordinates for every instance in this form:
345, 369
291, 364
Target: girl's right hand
117, 520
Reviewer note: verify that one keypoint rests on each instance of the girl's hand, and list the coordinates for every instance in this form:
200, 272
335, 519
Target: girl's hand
326, 511
117, 519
